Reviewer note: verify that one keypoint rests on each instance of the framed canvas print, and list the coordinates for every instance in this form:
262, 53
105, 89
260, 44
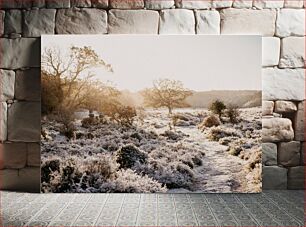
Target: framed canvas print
151, 114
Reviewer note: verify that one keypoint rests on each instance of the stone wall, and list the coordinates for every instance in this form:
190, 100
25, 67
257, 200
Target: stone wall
281, 22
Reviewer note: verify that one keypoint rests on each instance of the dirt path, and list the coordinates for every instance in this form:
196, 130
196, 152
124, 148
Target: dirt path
220, 172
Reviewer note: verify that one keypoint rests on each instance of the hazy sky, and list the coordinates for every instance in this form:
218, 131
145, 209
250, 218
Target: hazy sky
200, 62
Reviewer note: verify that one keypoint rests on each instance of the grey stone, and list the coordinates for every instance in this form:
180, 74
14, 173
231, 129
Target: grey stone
25, 180
159, 4
262, 4
133, 21
274, 177
15, 4
283, 84
248, 21
100, 3
13, 21
285, 107
20, 53
242, 4
38, 22
299, 122
293, 52
269, 154
270, 51
208, 22
39, 3
276, 130
28, 85
296, 176
177, 21
303, 160
7, 85
267, 108
191, 4
290, 22
81, 21
55, 4
126, 4
289, 153
293, 4
24, 122
2, 15
80, 3
13, 155
33, 158
221, 3
3, 121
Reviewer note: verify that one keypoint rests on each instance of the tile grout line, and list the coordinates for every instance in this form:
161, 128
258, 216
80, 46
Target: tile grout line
229, 210
213, 214
100, 213
81, 210
119, 213
138, 209
194, 215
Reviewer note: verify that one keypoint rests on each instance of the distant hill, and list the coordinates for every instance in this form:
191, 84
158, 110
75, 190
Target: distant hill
242, 99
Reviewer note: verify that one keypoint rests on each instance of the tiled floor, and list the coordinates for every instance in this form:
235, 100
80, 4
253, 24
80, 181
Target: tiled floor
271, 208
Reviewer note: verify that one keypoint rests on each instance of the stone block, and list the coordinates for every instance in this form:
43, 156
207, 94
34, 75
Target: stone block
270, 51
263, 4
285, 107
7, 85
269, 154
3, 121
15, 4
24, 122
33, 158
20, 53
24, 180
133, 22
38, 22
267, 108
283, 84
293, 52
191, 4
177, 21
28, 85
290, 22
299, 122
293, 4
13, 155
221, 3
126, 4
277, 130
208, 22
80, 3
242, 4
248, 21
303, 160
289, 153
274, 178
159, 4
55, 4
103, 4
296, 176
39, 3
13, 21
81, 21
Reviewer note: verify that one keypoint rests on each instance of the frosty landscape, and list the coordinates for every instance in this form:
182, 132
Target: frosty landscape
183, 159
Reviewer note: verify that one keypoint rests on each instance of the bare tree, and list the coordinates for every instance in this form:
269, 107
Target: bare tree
166, 93
72, 72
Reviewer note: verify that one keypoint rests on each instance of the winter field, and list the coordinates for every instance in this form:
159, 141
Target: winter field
160, 152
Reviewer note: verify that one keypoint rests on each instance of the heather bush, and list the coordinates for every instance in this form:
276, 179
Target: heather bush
217, 107
210, 121
129, 155
216, 133
232, 113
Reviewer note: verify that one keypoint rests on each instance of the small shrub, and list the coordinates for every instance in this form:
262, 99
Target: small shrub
48, 167
232, 113
68, 130
217, 107
129, 155
235, 150
210, 121
90, 121
216, 133
123, 115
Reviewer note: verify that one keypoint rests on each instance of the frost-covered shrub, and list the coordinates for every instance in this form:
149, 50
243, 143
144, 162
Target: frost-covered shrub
216, 133
124, 115
173, 135
129, 155
235, 150
232, 113
217, 107
210, 121
68, 130
48, 167
90, 121
128, 181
